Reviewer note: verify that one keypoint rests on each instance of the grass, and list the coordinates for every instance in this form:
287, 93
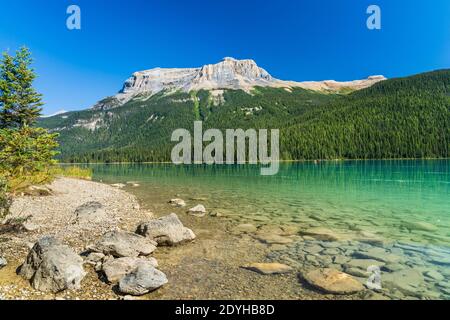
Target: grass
72, 172
20, 182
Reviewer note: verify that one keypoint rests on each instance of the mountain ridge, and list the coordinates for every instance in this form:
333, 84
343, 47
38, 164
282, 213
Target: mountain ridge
229, 73
405, 117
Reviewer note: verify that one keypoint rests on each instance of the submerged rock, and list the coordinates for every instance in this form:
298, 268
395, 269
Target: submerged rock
419, 226
244, 228
116, 269
357, 272
123, 244
333, 281
144, 279
435, 275
198, 211
178, 202
269, 268
379, 254
409, 281
363, 263
166, 230
274, 239
52, 266
321, 233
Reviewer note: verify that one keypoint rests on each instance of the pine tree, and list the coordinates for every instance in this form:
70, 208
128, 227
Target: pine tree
19, 102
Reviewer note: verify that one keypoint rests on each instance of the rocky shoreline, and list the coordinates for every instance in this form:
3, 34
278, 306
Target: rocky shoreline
106, 246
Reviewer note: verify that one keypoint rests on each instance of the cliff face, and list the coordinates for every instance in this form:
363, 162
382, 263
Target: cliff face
227, 74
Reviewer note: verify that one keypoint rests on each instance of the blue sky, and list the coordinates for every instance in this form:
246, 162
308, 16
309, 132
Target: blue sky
293, 40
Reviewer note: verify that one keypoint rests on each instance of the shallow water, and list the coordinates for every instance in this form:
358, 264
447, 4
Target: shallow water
404, 205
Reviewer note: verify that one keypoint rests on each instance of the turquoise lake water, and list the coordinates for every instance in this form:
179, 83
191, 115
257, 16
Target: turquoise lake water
400, 202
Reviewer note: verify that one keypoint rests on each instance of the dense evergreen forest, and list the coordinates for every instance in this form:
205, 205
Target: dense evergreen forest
398, 118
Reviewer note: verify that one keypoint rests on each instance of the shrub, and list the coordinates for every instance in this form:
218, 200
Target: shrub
26, 155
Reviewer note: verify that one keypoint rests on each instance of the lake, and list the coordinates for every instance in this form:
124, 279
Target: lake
399, 206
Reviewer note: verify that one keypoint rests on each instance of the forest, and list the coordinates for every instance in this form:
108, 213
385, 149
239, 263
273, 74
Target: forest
397, 118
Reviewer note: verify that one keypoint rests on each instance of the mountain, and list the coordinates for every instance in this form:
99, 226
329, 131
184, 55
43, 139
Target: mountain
227, 74
397, 118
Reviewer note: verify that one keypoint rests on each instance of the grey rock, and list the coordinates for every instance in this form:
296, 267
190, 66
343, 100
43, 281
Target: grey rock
331, 252
52, 266
116, 269
357, 272
92, 211
3, 262
341, 259
93, 258
391, 267
331, 244
177, 202
363, 263
144, 279
198, 211
313, 249
167, 230
378, 254
408, 281
123, 244
29, 226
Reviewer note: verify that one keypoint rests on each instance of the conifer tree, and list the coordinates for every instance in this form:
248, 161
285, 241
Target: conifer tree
20, 104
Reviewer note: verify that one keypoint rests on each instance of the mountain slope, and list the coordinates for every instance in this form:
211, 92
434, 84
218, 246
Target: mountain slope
398, 118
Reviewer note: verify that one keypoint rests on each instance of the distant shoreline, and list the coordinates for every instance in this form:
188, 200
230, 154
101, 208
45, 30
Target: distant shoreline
280, 161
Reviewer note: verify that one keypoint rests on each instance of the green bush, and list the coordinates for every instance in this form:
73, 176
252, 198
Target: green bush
26, 155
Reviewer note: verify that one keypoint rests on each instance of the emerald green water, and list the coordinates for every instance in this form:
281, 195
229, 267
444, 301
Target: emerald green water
379, 197
398, 208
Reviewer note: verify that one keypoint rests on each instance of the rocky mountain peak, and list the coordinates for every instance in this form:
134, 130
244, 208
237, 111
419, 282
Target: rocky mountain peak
229, 73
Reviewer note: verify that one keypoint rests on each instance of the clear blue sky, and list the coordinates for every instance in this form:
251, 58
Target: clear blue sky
293, 40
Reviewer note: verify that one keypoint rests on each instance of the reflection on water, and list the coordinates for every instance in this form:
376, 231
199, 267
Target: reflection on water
398, 203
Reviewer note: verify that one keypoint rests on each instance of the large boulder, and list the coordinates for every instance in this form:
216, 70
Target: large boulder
123, 244
52, 266
144, 279
116, 269
167, 230
333, 281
